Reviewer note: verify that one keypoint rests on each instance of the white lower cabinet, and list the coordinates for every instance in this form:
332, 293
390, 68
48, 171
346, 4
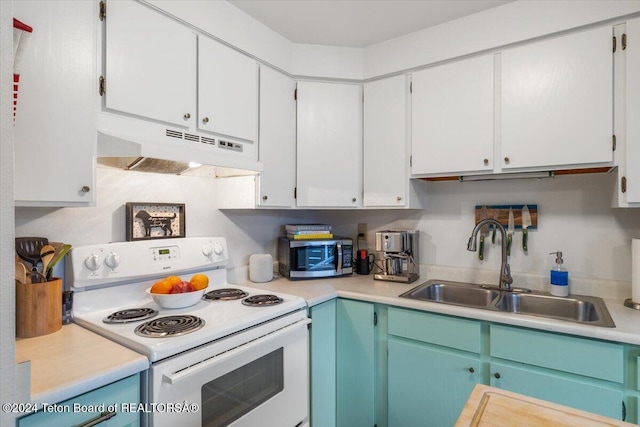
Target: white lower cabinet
55, 124
329, 135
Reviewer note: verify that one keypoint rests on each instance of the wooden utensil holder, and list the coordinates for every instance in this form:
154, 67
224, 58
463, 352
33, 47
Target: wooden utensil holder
38, 308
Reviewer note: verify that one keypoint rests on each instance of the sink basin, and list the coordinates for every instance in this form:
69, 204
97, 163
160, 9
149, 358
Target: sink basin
453, 293
576, 308
580, 309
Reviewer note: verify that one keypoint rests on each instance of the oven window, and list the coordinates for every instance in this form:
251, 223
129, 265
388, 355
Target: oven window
229, 397
315, 258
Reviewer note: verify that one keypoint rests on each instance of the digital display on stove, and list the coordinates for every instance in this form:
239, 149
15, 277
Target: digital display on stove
163, 251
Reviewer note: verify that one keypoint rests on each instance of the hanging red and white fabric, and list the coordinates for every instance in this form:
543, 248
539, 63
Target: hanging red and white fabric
21, 34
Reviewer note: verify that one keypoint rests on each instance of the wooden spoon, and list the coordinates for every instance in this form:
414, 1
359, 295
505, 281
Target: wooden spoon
21, 273
46, 255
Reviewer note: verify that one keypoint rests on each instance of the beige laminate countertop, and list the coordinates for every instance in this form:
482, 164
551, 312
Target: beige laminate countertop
73, 361
364, 288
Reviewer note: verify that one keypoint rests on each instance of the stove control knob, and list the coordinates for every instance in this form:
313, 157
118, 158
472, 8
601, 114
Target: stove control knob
206, 251
92, 263
217, 248
112, 260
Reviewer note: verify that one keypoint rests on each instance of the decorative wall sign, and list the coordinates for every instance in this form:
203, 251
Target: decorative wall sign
154, 220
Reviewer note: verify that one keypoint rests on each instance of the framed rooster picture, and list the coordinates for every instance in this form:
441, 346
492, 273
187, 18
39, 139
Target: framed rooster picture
147, 221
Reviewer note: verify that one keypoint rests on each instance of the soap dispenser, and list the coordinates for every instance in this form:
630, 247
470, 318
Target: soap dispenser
559, 279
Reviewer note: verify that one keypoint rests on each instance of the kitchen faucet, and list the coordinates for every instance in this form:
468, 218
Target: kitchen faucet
505, 271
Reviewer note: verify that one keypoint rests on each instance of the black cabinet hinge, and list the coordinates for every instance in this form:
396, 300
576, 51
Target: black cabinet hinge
624, 41
295, 94
410, 161
623, 184
411, 87
102, 85
295, 192
613, 143
375, 319
614, 44
103, 11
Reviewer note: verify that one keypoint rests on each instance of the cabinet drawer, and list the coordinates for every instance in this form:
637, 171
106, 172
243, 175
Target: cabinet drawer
124, 391
447, 331
580, 356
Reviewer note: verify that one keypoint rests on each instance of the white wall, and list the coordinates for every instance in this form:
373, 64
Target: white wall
327, 61
574, 217
7, 286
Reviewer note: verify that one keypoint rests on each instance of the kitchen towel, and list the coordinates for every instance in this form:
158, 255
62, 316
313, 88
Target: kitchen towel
635, 270
260, 268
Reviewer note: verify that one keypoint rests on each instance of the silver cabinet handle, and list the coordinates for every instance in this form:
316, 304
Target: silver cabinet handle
353, 200
472, 370
264, 197
497, 375
507, 160
187, 116
399, 198
104, 416
85, 189
486, 162
205, 120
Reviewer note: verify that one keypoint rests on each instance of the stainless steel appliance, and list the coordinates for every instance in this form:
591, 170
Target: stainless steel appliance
308, 259
399, 255
239, 354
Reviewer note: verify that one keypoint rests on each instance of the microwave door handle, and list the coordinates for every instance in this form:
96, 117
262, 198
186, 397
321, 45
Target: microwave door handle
339, 260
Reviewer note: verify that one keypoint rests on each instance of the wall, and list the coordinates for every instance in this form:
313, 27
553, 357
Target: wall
7, 287
574, 217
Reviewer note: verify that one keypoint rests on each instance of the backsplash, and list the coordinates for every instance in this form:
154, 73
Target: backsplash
574, 217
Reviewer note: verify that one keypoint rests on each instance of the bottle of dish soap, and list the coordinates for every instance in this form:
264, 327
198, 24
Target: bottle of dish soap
559, 280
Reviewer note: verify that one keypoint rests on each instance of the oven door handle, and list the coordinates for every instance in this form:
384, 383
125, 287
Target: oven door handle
176, 377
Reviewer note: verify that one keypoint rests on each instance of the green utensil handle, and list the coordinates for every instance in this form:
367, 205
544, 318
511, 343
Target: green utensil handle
509, 240
481, 249
525, 234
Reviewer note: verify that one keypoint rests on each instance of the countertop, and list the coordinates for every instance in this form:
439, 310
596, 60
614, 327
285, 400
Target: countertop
73, 361
364, 288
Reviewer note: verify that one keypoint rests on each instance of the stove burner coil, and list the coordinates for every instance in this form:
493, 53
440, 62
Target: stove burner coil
262, 300
225, 294
169, 326
130, 315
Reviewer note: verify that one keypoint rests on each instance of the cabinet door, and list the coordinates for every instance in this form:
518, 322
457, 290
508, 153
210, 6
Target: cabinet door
112, 396
557, 101
227, 91
329, 161
355, 363
559, 388
277, 139
55, 124
386, 154
323, 364
452, 118
150, 64
632, 160
428, 386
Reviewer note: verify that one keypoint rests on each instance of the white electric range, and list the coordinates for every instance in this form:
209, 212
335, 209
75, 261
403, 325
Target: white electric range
242, 365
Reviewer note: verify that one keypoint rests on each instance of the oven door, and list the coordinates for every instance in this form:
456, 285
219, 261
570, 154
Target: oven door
262, 382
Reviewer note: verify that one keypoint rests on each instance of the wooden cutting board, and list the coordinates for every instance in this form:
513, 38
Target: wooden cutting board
493, 407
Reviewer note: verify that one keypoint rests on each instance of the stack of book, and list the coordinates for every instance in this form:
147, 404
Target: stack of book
308, 231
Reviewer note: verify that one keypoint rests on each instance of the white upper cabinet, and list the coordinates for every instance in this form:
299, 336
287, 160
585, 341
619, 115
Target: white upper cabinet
387, 148
557, 102
150, 64
452, 118
277, 181
55, 125
329, 135
227, 91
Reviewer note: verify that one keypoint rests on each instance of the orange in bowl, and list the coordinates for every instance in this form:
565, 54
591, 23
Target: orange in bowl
199, 281
162, 287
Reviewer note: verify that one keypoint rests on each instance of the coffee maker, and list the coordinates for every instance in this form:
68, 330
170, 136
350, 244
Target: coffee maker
399, 255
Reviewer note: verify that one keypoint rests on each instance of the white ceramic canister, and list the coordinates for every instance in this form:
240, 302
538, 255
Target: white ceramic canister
260, 268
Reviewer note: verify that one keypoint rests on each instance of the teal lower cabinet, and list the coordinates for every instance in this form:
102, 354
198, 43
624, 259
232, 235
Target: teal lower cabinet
558, 387
428, 386
355, 331
323, 364
82, 409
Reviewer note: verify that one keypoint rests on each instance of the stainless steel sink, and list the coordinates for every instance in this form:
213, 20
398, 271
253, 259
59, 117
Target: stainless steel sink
576, 308
453, 293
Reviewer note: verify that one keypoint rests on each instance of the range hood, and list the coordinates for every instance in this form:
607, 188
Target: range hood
135, 144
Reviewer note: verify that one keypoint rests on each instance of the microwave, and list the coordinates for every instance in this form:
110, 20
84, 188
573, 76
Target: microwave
310, 259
